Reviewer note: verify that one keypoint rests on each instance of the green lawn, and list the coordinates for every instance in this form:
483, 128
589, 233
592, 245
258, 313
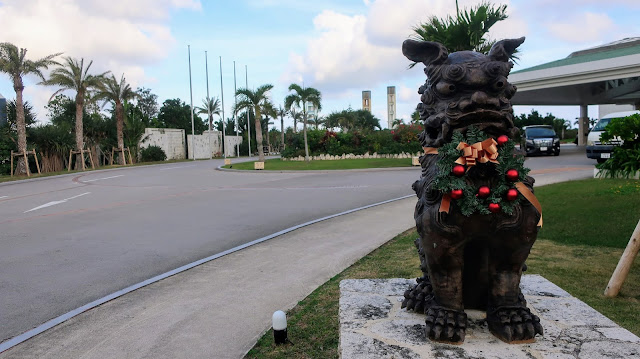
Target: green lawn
280, 165
580, 262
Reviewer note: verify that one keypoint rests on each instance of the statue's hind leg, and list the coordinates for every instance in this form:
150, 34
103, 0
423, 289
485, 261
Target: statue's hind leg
508, 317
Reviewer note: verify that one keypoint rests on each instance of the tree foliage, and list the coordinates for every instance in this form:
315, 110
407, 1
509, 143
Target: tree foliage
300, 98
625, 159
147, 102
254, 101
467, 30
174, 113
349, 120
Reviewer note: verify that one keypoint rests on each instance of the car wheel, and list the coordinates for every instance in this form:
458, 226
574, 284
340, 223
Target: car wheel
556, 153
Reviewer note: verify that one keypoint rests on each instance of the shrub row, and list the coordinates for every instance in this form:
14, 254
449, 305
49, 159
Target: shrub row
403, 139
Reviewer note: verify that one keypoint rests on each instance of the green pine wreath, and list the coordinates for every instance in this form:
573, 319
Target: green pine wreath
445, 181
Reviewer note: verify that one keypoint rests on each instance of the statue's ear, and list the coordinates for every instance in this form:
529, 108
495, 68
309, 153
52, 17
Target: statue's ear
426, 52
504, 49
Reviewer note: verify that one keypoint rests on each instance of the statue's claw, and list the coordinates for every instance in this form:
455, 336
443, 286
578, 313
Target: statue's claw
514, 324
445, 325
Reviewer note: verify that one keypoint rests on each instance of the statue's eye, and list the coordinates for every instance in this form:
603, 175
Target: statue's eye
499, 84
445, 88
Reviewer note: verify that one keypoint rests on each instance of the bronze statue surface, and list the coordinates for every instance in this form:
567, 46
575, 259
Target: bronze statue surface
476, 214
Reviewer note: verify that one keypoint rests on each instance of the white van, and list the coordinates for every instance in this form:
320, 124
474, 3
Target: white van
598, 150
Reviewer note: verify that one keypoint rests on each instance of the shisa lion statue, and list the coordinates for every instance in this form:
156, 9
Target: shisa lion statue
476, 215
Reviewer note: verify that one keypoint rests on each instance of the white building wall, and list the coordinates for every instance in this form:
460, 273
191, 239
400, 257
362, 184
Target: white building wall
171, 140
205, 150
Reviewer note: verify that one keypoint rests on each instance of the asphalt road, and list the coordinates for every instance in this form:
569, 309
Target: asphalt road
66, 241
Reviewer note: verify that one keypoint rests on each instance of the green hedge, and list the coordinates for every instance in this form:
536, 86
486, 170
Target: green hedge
403, 139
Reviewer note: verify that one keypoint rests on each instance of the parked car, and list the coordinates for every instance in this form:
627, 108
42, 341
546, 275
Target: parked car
540, 139
602, 151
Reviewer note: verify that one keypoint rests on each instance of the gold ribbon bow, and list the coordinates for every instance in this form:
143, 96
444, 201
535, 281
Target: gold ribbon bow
479, 152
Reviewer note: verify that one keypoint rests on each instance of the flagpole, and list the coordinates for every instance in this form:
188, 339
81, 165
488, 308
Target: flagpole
193, 149
235, 106
246, 79
206, 66
224, 147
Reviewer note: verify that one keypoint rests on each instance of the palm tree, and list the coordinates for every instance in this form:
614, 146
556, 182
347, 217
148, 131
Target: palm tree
14, 64
117, 92
269, 112
72, 75
281, 112
465, 31
254, 100
304, 96
209, 108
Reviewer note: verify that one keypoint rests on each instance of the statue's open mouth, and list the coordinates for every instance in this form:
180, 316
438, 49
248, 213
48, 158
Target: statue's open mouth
492, 122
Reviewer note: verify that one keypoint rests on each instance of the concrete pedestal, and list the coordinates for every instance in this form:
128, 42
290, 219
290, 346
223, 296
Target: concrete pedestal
372, 325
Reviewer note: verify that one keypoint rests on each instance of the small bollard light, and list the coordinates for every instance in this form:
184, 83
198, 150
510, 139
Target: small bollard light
279, 320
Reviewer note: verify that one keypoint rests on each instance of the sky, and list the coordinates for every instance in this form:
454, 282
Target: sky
340, 47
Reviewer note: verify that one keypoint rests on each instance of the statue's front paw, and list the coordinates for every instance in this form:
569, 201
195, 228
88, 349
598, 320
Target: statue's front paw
446, 325
416, 297
514, 324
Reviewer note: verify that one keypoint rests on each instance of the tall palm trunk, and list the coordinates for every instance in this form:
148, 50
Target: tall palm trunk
119, 130
304, 134
282, 130
21, 168
79, 130
258, 126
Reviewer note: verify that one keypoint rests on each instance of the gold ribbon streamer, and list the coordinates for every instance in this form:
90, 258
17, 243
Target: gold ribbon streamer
526, 192
479, 152
445, 203
430, 150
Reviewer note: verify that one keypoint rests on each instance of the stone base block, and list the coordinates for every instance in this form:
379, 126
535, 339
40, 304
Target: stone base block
258, 165
372, 325
415, 161
227, 161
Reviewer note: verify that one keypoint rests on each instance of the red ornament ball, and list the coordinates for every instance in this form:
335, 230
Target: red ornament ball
494, 207
512, 194
484, 192
502, 139
512, 175
456, 194
458, 170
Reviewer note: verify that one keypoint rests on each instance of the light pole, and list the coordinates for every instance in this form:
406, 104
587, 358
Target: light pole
206, 66
193, 149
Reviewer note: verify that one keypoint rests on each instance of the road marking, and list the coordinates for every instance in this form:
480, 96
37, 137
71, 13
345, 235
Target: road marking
104, 178
173, 168
3, 197
55, 202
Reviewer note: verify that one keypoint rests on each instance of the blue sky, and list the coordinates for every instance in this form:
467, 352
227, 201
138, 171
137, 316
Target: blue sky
338, 47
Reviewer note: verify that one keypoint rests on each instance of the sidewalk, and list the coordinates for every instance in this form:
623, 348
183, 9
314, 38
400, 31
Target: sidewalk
220, 309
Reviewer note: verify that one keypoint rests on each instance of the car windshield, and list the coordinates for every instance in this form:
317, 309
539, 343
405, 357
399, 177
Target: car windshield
601, 124
540, 132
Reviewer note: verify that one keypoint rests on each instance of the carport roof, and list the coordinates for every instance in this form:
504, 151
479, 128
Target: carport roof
629, 46
601, 75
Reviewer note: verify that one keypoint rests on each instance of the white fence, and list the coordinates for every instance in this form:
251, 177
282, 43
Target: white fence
171, 141
207, 146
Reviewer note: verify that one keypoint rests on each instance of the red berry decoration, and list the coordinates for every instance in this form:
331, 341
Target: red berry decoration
494, 207
502, 139
456, 194
512, 175
512, 194
458, 170
484, 192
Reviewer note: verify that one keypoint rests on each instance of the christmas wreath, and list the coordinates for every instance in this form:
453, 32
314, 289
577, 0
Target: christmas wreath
456, 158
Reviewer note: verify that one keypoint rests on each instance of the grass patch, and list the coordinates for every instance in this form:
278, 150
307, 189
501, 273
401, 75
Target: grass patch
582, 269
595, 212
277, 164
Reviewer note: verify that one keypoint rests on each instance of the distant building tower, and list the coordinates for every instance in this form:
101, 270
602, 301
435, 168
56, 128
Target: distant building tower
391, 105
3, 110
366, 100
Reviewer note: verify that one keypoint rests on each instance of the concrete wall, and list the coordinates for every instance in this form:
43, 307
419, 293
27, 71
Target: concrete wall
204, 150
171, 141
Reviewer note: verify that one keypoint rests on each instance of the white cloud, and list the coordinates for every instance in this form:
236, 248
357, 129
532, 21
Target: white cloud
582, 27
118, 35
